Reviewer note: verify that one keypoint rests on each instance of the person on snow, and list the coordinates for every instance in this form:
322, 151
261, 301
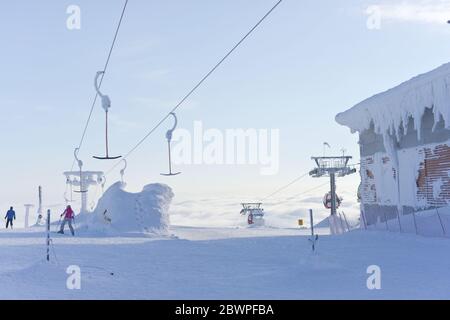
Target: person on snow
68, 217
10, 216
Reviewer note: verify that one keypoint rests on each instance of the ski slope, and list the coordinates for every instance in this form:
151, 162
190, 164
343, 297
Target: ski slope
224, 263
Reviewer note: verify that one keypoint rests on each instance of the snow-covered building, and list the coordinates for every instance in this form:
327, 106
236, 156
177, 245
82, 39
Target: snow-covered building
404, 138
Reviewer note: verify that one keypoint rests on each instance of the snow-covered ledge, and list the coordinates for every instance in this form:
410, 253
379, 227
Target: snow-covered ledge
389, 111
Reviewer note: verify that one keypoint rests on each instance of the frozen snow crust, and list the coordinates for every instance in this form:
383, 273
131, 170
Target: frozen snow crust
390, 111
121, 211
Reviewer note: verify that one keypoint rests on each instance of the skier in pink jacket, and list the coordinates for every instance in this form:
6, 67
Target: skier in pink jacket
69, 216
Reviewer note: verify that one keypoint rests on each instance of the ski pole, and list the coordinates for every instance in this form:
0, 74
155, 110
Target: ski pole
59, 223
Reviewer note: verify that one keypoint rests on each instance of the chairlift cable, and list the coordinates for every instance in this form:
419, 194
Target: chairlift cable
196, 86
83, 136
286, 186
354, 164
169, 139
294, 197
122, 171
309, 190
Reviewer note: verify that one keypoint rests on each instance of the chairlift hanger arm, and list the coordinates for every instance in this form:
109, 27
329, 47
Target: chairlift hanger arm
122, 171
79, 162
106, 105
86, 125
198, 84
80, 165
169, 139
96, 84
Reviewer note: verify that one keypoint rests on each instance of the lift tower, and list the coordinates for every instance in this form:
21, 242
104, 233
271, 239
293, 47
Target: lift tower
332, 167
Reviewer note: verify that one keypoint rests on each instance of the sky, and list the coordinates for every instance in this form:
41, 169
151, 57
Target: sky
307, 62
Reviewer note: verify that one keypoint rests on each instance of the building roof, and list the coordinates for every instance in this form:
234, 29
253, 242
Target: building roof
390, 109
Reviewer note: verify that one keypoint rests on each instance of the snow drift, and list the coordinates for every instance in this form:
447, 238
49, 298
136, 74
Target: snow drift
122, 211
336, 224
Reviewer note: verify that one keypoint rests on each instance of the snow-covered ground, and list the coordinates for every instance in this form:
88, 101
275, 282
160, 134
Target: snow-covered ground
224, 263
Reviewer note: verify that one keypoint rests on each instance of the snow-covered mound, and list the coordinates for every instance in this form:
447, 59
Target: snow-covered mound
325, 223
121, 211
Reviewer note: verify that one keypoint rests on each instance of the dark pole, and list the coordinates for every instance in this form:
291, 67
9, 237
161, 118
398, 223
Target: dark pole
313, 241
48, 235
107, 149
333, 192
363, 216
170, 158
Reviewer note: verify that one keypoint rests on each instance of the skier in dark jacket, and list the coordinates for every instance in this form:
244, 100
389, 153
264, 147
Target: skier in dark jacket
10, 216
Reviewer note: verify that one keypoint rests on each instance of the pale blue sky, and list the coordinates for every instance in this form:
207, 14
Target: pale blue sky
307, 62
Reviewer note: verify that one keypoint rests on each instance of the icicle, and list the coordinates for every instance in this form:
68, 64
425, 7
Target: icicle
395, 106
391, 151
436, 119
418, 123
405, 121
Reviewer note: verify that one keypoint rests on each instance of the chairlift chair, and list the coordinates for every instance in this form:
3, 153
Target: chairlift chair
254, 213
169, 140
106, 105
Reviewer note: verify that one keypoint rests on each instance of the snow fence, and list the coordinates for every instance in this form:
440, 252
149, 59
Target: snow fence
432, 223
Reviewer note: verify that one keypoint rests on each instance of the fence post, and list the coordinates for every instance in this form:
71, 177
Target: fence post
385, 220
48, 235
415, 223
440, 221
399, 222
363, 215
313, 236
